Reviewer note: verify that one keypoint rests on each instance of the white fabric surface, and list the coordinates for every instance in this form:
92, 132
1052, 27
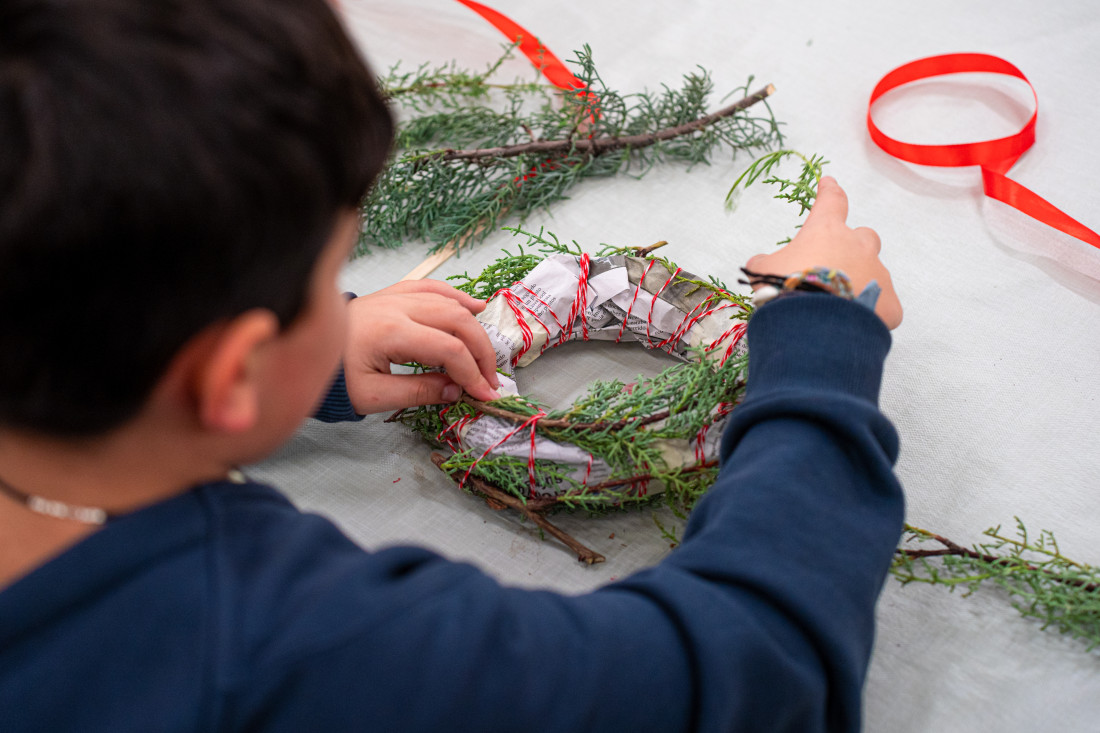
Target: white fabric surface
993, 377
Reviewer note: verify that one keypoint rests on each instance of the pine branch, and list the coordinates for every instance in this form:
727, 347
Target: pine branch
600, 145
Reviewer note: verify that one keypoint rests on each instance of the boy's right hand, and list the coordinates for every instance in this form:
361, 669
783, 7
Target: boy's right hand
825, 240
426, 321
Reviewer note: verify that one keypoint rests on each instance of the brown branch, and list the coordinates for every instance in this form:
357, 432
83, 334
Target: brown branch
603, 144
396, 415
495, 495
644, 251
957, 550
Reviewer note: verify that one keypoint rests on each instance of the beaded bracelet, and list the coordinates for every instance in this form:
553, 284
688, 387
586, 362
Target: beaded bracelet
811, 280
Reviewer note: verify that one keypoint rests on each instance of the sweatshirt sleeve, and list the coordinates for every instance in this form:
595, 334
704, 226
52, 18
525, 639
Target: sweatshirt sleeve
337, 407
762, 620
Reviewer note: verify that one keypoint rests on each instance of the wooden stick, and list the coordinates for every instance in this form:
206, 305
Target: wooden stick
493, 494
432, 261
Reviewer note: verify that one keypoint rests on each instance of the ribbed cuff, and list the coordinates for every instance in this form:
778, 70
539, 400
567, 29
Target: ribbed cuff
336, 406
819, 342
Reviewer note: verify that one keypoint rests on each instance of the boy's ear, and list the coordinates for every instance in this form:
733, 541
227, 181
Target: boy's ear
225, 387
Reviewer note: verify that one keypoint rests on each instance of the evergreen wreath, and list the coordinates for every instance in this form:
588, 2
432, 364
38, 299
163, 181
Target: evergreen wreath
618, 446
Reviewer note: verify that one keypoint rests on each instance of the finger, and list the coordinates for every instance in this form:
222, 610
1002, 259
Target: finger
870, 237
831, 203
890, 311
437, 287
759, 264
889, 307
433, 347
385, 392
446, 317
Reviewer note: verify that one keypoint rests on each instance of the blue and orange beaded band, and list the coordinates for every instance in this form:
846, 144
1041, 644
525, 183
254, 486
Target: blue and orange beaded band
812, 280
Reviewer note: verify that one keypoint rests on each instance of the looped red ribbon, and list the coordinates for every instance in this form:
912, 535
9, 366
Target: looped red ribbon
994, 156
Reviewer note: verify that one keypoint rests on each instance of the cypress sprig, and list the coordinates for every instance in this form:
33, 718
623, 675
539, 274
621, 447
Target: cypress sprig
509, 269
1043, 583
801, 190
471, 153
447, 86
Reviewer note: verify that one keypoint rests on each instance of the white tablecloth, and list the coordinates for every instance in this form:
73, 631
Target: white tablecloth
993, 377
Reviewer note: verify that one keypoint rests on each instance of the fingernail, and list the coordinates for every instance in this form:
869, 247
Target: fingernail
451, 393
495, 394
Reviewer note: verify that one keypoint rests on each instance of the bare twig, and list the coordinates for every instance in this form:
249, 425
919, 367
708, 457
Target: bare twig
645, 251
396, 415
497, 497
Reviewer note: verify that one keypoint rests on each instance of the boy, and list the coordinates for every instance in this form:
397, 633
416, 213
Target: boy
178, 183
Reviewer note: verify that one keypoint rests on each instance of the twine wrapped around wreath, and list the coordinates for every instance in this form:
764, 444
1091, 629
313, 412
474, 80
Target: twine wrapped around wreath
617, 446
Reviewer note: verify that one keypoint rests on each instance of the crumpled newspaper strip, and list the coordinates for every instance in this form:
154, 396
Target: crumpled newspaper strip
662, 309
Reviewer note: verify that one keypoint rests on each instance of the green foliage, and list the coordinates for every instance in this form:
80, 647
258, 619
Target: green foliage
1043, 583
509, 269
426, 194
801, 190
446, 86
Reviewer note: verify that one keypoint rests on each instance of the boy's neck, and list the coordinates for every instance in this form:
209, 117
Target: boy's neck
119, 473
124, 471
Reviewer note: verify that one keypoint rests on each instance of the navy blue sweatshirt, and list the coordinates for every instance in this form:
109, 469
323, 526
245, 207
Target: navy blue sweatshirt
226, 609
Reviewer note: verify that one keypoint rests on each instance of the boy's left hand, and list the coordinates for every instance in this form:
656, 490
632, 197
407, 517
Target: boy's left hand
425, 321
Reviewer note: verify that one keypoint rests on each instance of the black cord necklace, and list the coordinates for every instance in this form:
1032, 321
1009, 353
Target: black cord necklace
57, 509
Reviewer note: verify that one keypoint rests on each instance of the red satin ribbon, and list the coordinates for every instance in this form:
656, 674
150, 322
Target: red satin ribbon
544, 60
994, 156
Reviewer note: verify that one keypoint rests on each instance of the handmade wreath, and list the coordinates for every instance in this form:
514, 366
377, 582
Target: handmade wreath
617, 446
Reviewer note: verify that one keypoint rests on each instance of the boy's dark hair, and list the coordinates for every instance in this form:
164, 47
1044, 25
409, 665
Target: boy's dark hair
164, 164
